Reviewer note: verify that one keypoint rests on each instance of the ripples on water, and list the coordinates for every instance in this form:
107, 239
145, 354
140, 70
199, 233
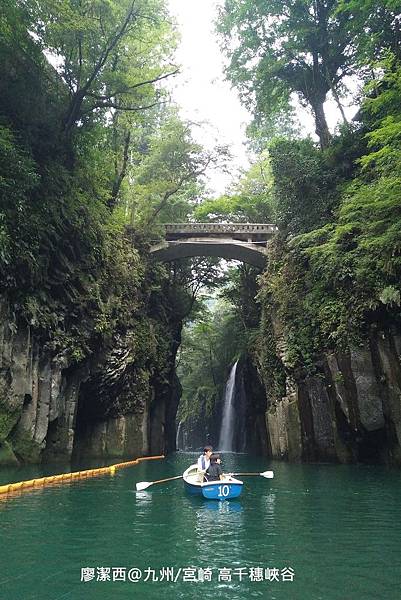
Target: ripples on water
338, 527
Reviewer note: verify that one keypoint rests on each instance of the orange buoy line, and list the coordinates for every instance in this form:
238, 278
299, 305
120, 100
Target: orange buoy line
68, 477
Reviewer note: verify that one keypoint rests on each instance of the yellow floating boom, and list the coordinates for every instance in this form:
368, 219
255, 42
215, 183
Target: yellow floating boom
69, 477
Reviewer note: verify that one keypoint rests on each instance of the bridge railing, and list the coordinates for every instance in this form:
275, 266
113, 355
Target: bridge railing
221, 228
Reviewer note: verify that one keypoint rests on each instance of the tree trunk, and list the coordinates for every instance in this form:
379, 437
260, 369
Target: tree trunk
322, 130
73, 112
119, 175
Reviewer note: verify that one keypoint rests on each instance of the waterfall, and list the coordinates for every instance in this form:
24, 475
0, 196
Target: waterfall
177, 437
227, 423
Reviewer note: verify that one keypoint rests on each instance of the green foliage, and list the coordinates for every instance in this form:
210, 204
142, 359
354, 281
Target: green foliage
281, 48
110, 53
167, 173
240, 291
221, 333
277, 48
17, 178
31, 99
264, 353
330, 285
288, 320
267, 126
363, 250
209, 346
71, 140
250, 200
305, 182
374, 25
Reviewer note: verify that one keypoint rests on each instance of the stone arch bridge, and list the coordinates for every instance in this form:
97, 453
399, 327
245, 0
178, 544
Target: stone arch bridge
246, 242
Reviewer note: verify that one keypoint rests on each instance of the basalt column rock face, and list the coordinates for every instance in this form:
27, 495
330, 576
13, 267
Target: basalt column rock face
164, 404
350, 411
41, 397
38, 395
250, 402
126, 406
389, 355
284, 425
51, 410
200, 429
113, 410
166, 396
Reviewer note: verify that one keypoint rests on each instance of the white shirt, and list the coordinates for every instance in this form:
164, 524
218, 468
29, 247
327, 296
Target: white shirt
203, 460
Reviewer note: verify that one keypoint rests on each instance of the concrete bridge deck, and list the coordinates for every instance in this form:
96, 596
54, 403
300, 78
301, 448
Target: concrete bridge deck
233, 241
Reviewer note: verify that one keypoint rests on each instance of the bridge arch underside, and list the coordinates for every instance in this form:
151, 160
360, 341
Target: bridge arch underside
235, 250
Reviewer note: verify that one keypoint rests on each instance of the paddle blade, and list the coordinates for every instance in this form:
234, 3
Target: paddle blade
267, 474
142, 485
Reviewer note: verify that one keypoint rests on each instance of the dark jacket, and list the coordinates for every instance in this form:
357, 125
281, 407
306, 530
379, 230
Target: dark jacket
214, 471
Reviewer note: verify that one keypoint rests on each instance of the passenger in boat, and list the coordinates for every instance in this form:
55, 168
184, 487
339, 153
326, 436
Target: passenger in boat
214, 472
204, 459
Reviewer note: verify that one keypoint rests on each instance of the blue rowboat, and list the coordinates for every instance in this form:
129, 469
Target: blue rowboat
223, 489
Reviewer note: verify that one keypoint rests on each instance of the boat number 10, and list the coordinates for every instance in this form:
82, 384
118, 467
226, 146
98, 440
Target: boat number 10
224, 490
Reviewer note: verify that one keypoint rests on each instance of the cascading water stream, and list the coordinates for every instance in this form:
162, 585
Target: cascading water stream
177, 437
227, 423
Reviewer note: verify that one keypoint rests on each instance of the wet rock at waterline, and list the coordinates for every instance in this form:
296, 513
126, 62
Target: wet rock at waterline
349, 412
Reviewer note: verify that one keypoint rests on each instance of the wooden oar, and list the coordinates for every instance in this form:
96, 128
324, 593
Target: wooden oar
267, 474
142, 485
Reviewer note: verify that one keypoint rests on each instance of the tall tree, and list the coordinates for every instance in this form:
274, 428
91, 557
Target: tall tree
110, 54
168, 170
280, 47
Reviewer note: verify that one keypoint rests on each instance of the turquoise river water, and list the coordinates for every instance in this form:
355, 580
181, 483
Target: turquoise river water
329, 532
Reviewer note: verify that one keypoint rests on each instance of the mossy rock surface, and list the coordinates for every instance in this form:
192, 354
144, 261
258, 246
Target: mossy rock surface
7, 456
25, 448
8, 419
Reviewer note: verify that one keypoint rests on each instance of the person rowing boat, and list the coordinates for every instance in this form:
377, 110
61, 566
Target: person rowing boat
214, 472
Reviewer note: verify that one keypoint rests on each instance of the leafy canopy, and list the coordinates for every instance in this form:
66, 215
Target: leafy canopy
110, 53
277, 48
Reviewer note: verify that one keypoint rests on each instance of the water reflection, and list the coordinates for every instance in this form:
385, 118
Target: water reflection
143, 497
223, 507
268, 505
217, 529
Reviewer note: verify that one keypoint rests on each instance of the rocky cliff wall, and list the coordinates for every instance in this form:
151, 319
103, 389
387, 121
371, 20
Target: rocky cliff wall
37, 392
349, 411
200, 429
108, 405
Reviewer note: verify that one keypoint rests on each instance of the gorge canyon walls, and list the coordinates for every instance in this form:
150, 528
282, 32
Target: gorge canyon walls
109, 405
